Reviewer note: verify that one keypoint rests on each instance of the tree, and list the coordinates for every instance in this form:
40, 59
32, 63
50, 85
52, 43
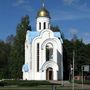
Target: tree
57, 29
4, 58
17, 52
67, 57
10, 39
82, 55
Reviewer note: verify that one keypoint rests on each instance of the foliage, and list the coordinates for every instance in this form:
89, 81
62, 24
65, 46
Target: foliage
57, 29
10, 39
84, 82
82, 55
17, 51
4, 53
23, 83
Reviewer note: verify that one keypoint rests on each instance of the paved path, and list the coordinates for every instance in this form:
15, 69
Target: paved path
69, 85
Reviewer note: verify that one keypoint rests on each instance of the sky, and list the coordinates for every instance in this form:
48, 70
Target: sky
72, 16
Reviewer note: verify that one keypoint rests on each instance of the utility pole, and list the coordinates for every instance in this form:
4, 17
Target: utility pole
82, 76
53, 87
74, 43
73, 69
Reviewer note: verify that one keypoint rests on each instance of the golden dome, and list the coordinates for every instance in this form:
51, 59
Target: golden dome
43, 13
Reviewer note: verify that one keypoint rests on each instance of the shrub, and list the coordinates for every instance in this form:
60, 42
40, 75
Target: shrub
3, 83
84, 82
24, 83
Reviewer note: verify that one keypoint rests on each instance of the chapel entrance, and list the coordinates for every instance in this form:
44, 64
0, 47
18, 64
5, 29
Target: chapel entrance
49, 74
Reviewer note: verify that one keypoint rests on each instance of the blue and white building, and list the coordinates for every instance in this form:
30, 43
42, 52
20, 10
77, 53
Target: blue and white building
43, 51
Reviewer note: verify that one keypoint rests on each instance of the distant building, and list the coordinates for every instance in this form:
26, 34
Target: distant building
43, 51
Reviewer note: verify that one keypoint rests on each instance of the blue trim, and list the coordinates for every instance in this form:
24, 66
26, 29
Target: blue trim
33, 34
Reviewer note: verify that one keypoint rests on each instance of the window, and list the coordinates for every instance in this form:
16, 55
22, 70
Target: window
39, 25
37, 57
49, 52
48, 25
44, 25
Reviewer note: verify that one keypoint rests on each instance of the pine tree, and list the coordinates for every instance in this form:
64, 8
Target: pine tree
17, 52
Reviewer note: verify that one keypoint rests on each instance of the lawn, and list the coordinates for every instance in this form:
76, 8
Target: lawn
45, 87
37, 85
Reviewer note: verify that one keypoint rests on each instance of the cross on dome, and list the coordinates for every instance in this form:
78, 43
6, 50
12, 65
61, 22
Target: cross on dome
43, 1
43, 12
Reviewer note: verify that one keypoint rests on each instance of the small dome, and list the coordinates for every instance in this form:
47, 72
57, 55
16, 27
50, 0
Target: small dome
43, 13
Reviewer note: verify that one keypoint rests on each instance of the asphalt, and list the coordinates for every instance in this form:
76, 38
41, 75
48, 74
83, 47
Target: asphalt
66, 84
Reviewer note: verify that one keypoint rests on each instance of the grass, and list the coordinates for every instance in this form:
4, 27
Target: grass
85, 82
34, 85
26, 88
41, 87
23, 83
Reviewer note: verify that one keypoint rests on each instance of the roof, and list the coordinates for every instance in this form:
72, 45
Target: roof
33, 34
43, 12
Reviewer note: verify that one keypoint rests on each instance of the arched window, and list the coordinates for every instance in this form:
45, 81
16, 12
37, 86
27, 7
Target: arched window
49, 52
48, 25
38, 57
44, 25
39, 25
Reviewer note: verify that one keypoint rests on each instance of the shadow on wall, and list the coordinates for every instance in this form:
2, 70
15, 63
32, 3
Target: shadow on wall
59, 58
65, 65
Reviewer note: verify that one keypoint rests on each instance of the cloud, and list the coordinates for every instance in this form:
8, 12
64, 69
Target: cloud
73, 31
19, 2
68, 2
70, 15
84, 8
23, 4
87, 34
71, 2
86, 37
27, 8
78, 4
76, 10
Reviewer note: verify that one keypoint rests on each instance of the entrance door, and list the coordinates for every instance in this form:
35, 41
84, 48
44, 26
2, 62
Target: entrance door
49, 74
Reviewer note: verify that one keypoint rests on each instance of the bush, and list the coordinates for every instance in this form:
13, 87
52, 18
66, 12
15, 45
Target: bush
3, 83
84, 82
33, 83
24, 83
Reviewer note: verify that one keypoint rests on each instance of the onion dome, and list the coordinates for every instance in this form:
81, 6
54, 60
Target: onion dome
43, 12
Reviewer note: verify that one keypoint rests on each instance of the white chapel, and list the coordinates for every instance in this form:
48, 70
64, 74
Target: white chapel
43, 51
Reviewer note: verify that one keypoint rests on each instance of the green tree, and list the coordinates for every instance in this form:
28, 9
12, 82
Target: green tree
4, 53
82, 55
57, 29
17, 52
67, 57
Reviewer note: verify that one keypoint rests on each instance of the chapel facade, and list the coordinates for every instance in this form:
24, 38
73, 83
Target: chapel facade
43, 51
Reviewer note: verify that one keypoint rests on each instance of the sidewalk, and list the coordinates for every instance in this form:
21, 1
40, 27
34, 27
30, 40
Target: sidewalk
67, 84
77, 86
